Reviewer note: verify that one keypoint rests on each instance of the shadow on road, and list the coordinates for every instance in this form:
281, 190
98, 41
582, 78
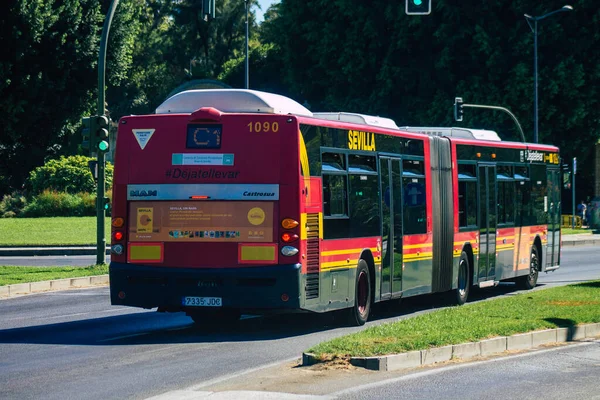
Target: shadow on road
159, 328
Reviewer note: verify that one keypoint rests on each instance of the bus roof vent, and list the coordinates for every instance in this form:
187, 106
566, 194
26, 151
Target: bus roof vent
357, 119
231, 101
467, 133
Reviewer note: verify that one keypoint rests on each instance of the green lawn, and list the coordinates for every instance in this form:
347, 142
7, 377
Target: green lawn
571, 231
549, 308
60, 231
15, 274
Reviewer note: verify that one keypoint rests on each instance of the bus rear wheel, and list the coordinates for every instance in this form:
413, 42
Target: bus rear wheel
464, 280
529, 281
359, 313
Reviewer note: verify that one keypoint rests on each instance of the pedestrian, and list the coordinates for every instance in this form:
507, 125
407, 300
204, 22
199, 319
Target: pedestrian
581, 212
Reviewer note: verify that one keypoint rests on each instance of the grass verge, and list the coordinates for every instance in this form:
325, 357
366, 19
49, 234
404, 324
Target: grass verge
571, 231
549, 308
56, 231
14, 274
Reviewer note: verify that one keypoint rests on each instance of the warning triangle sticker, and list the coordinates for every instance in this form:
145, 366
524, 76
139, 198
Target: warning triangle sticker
143, 136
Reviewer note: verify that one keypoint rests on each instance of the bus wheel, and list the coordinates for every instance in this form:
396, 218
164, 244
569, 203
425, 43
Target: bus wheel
464, 280
359, 313
529, 281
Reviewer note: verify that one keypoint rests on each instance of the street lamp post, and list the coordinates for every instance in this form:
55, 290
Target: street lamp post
247, 73
535, 20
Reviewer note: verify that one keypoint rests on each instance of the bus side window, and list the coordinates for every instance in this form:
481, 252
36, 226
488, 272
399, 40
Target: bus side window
334, 196
364, 205
467, 204
467, 196
506, 195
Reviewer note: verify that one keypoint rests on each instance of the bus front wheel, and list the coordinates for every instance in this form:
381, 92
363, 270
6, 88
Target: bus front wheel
359, 313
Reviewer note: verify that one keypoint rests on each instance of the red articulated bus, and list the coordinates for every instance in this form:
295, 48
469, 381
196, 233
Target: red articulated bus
238, 201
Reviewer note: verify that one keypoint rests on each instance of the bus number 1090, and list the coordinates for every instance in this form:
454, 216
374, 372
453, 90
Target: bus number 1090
257, 127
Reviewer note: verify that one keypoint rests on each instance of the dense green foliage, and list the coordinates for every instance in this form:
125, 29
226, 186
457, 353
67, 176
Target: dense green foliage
349, 55
563, 306
48, 76
66, 174
12, 205
60, 204
370, 57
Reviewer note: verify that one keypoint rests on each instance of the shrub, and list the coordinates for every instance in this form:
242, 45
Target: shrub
67, 174
62, 204
55, 204
12, 205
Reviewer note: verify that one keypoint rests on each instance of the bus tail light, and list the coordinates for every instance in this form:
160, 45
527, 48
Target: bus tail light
117, 222
289, 223
117, 249
289, 237
289, 251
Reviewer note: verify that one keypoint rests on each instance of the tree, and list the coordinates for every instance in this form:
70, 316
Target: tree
49, 51
48, 76
371, 58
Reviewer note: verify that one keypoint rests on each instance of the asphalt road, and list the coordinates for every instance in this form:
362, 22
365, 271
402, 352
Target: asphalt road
74, 344
51, 261
565, 372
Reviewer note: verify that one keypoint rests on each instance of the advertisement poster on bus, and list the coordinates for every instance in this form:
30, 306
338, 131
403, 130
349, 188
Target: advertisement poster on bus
201, 221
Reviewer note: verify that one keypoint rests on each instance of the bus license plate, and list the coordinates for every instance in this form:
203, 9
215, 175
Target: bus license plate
202, 301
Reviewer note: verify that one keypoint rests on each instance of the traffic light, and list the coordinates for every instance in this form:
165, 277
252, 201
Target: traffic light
208, 9
566, 176
101, 133
458, 109
86, 124
418, 7
106, 204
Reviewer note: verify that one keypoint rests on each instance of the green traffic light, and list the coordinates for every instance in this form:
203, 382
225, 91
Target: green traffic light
417, 2
103, 145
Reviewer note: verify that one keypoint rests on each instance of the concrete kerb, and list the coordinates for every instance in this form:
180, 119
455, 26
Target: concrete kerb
49, 251
465, 351
52, 285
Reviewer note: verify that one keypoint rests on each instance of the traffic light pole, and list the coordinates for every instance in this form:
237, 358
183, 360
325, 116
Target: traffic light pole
100, 193
506, 110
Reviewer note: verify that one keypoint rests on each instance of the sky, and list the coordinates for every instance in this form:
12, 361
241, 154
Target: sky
264, 4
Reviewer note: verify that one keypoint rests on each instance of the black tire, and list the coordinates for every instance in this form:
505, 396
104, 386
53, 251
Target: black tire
528, 282
461, 293
359, 313
217, 318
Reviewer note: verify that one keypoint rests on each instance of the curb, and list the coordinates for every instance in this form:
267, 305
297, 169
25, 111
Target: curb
487, 347
49, 251
53, 285
584, 242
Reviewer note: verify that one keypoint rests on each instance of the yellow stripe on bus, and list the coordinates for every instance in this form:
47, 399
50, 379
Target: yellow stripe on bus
345, 251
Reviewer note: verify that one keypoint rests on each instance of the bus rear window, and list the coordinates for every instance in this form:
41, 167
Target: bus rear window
203, 137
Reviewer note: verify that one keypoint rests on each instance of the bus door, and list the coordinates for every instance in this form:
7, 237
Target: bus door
391, 206
553, 204
487, 222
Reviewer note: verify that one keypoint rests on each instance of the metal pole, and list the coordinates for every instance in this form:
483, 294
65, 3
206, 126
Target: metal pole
535, 74
247, 72
573, 190
100, 192
506, 110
